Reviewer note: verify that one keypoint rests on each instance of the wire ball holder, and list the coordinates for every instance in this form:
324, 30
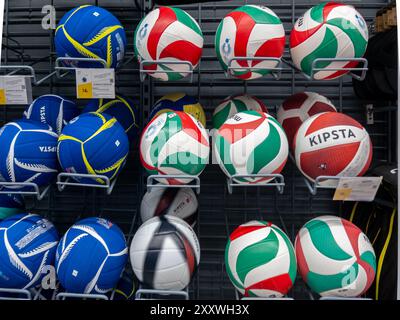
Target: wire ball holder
33, 189
142, 293
29, 73
65, 64
275, 71
194, 184
16, 294
67, 179
278, 181
143, 71
343, 298
82, 296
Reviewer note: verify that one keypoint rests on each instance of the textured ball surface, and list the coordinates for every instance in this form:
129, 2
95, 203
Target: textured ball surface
11, 204
27, 244
165, 253
298, 108
250, 31
93, 143
235, 104
181, 203
260, 260
332, 144
328, 30
91, 256
121, 108
179, 102
91, 32
28, 153
251, 142
334, 257
52, 110
174, 143
168, 34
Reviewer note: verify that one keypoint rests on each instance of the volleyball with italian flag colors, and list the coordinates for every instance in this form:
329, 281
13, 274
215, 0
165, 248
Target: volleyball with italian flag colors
329, 30
235, 104
332, 144
334, 257
251, 142
171, 37
174, 143
298, 108
250, 31
260, 260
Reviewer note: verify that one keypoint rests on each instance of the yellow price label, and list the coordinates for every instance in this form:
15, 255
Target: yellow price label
342, 194
85, 91
3, 98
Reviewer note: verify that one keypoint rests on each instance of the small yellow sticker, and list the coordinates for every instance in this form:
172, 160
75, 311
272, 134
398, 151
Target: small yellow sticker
85, 91
3, 98
342, 194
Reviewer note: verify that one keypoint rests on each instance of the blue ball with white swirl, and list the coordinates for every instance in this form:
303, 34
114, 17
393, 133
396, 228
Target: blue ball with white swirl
91, 257
28, 153
28, 245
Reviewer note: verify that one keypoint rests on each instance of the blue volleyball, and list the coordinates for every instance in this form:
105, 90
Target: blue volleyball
93, 143
28, 152
11, 204
91, 256
122, 109
52, 110
28, 243
91, 32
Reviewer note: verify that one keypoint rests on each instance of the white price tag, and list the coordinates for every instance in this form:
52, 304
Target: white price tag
15, 90
95, 83
357, 189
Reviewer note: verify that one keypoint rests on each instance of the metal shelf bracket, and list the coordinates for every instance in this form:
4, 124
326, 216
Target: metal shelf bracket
277, 181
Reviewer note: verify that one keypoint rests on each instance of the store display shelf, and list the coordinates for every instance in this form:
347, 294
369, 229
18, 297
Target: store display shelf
194, 182
68, 179
152, 294
28, 189
277, 180
143, 71
15, 294
275, 71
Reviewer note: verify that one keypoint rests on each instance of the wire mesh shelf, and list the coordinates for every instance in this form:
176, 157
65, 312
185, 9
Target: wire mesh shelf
277, 180
143, 71
15, 294
275, 71
65, 179
32, 189
152, 294
194, 182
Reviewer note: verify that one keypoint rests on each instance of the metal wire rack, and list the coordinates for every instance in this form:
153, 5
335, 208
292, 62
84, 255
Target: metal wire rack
220, 212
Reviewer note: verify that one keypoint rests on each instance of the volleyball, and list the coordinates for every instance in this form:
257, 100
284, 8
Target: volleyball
235, 104
171, 36
332, 144
28, 153
52, 110
93, 143
328, 30
298, 108
165, 253
90, 32
174, 143
260, 260
334, 257
251, 142
179, 102
27, 244
11, 204
250, 31
121, 108
91, 256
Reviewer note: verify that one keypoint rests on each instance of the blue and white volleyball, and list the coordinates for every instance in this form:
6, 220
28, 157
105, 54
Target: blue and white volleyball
28, 243
91, 256
122, 109
91, 32
11, 204
28, 153
93, 143
52, 110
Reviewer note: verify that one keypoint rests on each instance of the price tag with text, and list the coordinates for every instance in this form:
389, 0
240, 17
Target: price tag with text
15, 90
357, 189
95, 83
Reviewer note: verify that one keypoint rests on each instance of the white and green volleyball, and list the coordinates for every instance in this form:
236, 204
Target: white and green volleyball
328, 30
260, 260
235, 104
174, 143
251, 142
250, 31
335, 258
168, 35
